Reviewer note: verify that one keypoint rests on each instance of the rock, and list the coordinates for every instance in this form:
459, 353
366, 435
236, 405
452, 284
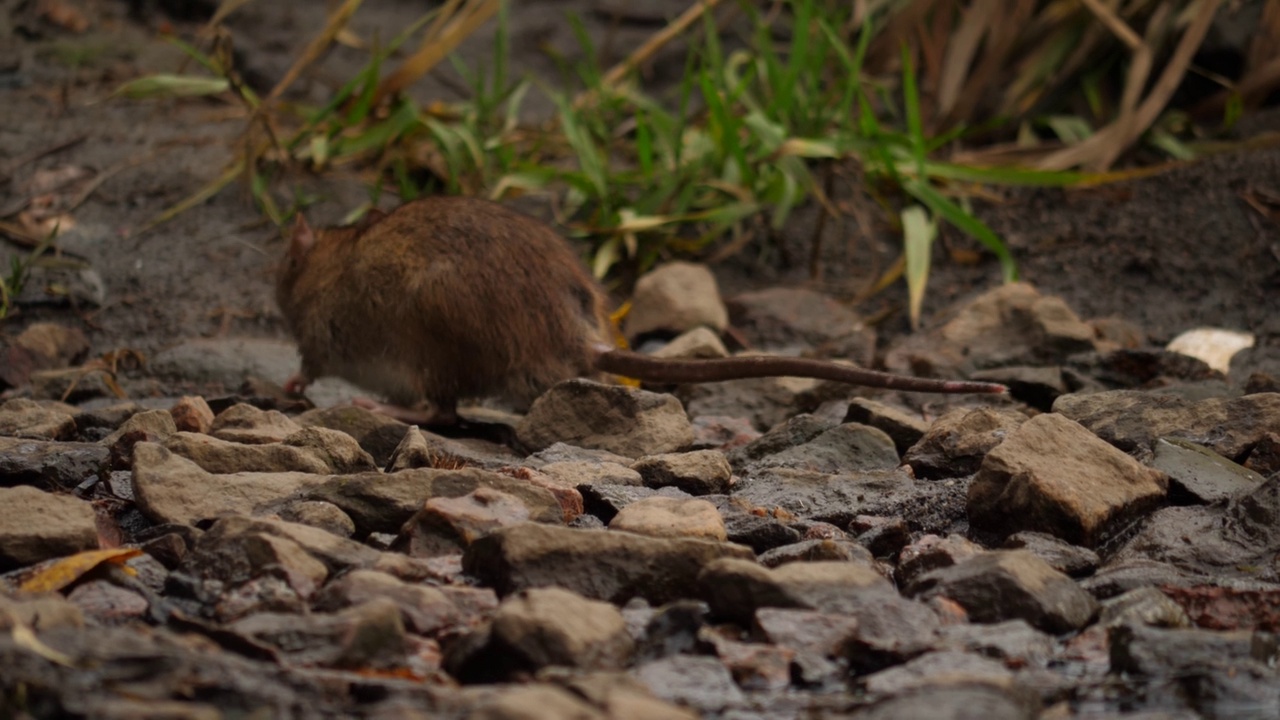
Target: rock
817, 550
955, 702
671, 517
171, 489
931, 552
1214, 346
418, 449
759, 531
36, 526
1237, 541
718, 432
382, 503
765, 401
1007, 585
226, 361
1120, 576
1012, 324
1133, 421
735, 589
838, 499
98, 421
151, 426
1200, 476
448, 525
904, 428
1064, 557
1035, 386
425, 610
540, 627
606, 501
957, 442
700, 472
1217, 608
319, 514
884, 537
369, 635
701, 683
607, 417
792, 432
72, 385
811, 631
675, 297
192, 414
248, 557
377, 434
247, 424
622, 697
1144, 606
789, 317
50, 465
700, 342
534, 702
1214, 673
40, 346
1265, 458
845, 448
574, 473
601, 565
311, 450
24, 418
943, 667
1015, 643
755, 667
108, 604
39, 612
1054, 476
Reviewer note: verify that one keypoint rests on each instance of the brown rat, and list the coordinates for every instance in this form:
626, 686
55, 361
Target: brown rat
452, 297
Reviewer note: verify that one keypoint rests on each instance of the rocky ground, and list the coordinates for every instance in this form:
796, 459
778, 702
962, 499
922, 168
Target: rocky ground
1103, 542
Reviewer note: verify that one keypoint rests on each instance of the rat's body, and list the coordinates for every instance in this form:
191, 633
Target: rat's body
448, 297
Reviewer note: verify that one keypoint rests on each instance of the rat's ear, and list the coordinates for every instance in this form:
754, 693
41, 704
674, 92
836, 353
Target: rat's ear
302, 239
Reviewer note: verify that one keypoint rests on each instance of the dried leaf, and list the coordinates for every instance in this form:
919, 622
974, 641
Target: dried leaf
65, 571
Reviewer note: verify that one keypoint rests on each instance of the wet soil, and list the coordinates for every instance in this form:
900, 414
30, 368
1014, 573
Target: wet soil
1197, 244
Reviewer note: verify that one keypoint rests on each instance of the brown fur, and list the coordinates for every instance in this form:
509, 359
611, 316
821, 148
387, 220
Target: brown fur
441, 299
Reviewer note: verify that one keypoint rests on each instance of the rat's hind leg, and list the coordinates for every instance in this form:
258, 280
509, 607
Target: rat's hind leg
439, 414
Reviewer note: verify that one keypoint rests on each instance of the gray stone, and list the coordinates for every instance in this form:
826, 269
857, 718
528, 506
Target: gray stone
700, 472
50, 465
244, 423
1201, 476
23, 418
675, 297
956, 443
905, 428
538, 627
1007, 585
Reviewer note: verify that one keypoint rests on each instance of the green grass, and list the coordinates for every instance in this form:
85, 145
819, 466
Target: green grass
728, 154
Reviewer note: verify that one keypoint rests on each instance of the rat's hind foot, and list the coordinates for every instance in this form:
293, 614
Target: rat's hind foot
437, 416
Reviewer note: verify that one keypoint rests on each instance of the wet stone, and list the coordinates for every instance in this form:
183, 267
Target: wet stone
761, 533
838, 499
49, 465
1007, 585
1122, 575
1054, 476
845, 448
793, 431
931, 552
37, 526
425, 610
957, 442
701, 472
593, 415
765, 402
904, 428
1200, 476
884, 537
1014, 642
1062, 556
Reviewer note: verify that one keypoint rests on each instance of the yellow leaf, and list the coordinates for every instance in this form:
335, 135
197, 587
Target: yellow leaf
67, 570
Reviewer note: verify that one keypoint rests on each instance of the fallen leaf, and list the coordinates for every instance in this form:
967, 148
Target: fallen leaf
65, 571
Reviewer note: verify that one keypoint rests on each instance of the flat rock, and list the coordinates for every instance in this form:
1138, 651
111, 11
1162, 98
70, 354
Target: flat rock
49, 465
698, 682
448, 525
931, 552
850, 447
23, 418
735, 589
1062, 556
1008, 585
1054, 476
601, 565
369, 635
942, 667
311, 450
425, 610
36, 526
1200, 476
956, 443
699, 472
420, 449
378, 434
539, 627
171, 489
621, 420
904, 428
574, 473
675, 297
1133, 421
764, 401
671, 517
792, 432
